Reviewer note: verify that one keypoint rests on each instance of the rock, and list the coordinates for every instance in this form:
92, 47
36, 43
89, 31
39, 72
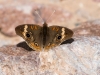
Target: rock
96, 0
81, 57
13, 16
89, 28
51, 14
4, 40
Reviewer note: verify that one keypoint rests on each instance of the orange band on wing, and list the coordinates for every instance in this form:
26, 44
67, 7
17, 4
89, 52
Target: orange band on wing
50, 46
55, 28
34, 27
37, 48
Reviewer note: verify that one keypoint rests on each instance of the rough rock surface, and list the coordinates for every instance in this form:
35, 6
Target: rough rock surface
89, 28
81, 57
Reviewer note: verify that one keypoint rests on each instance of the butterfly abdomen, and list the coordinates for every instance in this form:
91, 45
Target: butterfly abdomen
45, 33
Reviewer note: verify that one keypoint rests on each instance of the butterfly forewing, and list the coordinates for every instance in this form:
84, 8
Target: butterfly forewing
56, 35
32, 34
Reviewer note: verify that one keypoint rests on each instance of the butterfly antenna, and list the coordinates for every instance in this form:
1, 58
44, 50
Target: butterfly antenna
51, 15
39, 16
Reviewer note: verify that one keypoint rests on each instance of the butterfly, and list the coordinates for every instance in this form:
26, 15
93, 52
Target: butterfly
43, 37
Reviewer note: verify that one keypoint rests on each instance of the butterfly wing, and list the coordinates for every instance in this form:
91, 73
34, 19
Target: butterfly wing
56, 35
32, 34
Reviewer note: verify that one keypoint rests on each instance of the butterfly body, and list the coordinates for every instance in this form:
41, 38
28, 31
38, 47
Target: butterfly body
43, 38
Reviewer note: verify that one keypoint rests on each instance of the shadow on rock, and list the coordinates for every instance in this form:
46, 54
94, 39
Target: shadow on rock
25, 46
68, 41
